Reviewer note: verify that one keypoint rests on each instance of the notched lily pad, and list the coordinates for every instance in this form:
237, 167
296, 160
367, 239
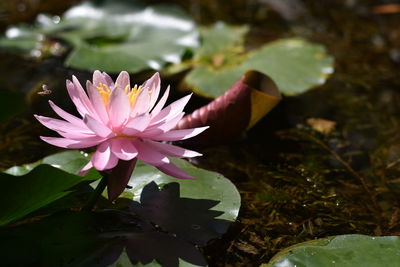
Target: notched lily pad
343, 250
163, 228
206, 185
295, 65
71, 161
21, 195
190, 219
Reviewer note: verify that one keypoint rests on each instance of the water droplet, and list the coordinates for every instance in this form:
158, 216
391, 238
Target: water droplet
56, 19
83, 153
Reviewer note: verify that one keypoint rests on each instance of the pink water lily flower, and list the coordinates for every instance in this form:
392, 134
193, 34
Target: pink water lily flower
124, 123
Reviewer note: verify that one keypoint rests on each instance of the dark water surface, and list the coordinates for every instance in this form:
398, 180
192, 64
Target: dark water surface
298, 181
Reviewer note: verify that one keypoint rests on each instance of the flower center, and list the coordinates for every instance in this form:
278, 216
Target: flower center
133, 93
105, 93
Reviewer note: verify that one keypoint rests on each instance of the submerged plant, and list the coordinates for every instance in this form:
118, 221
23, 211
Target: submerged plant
125, 124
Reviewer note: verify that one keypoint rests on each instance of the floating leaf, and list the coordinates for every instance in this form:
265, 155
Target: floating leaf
166, 249
295, 65
114, 35
21, 39
119, 237
190, 219
237, 110
221, 41
343, 251
206, 185
66, 238
71, 161
21, 195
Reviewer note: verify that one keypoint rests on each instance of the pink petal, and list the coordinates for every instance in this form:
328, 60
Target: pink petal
161, 127
123, 148
172, 150
60, 125
150, 155
119, 107
84, 99
66, 116
172, 170
154, 87
176, 135
97, 127
136, 125
75, 135
160, 103
85, 168
98, 78
171, 110
98, 103
108, 80
103, 159
69, 143
123, 80
73, 94
142, 103
171, 123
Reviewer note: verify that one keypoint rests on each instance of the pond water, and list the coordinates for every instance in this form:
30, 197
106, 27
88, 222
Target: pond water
322, 163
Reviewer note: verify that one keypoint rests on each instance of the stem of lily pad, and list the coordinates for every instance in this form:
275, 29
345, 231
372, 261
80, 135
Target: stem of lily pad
96, 194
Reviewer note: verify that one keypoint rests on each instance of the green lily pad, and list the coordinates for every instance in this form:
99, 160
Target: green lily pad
343, 251
221, 40
21, 195
294, 64
206, 185
20, 39
115, 35
106, 238
71, 161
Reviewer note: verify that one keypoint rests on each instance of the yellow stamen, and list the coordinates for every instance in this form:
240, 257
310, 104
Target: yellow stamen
134, 93
105, 93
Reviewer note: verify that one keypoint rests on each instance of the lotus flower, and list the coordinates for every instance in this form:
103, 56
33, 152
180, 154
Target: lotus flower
124, 123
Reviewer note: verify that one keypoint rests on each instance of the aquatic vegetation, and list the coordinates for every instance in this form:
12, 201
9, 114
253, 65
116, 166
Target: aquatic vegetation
294, 64
162, 202
318, 177
125, 124
111, 35
341, 250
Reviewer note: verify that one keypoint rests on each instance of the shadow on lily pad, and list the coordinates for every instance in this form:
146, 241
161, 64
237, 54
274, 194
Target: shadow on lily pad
163, 227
